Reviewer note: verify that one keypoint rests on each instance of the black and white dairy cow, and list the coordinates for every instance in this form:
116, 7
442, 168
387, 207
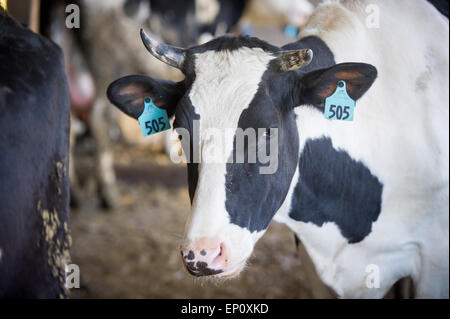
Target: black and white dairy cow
368, 198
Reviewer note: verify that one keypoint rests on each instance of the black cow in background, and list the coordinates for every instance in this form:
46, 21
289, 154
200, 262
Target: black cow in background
34, 161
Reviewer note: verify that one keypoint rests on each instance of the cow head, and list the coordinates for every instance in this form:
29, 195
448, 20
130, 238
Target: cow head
246, 85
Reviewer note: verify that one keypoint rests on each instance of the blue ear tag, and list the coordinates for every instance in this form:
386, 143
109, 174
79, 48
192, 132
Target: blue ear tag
339, 106
291, 31
153, 119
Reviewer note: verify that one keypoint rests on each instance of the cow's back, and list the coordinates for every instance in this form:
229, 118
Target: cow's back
34, 143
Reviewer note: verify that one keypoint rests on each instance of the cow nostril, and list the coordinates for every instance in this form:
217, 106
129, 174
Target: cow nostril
205, 257
190, 255
219, 258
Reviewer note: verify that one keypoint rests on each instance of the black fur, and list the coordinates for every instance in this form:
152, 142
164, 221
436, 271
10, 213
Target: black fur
128, 94
34, 138
333, 187
441, 5
253, 198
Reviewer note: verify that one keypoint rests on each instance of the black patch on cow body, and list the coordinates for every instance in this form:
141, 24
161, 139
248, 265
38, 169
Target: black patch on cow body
333, 187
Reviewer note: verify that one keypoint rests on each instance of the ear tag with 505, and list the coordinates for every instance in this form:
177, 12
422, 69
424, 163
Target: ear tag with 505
153, 119
339, 106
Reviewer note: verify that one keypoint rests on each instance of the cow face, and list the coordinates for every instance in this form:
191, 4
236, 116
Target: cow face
237, 103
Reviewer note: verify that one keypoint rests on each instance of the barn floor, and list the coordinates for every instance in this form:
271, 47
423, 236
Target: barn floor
132, 252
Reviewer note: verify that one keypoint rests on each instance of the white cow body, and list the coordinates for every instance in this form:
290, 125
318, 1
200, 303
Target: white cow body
402, 137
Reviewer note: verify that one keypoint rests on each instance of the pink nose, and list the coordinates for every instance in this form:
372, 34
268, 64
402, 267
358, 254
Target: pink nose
205, 257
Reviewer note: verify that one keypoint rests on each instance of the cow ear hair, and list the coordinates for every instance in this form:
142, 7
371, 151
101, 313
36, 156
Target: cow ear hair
317, 85
128, 94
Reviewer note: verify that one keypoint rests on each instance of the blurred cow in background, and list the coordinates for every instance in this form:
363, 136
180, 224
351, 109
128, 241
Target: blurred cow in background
293, 12
187, 22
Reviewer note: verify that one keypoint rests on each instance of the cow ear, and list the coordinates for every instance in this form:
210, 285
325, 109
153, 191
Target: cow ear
316, 86
128, 94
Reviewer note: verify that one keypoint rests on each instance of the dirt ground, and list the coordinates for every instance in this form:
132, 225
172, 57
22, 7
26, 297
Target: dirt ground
132, 252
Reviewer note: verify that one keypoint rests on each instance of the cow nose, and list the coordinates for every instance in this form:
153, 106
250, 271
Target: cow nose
205, 257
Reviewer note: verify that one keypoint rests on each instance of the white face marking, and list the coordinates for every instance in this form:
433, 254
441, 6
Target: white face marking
226, 82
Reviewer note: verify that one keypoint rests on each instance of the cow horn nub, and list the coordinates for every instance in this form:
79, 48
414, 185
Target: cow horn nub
168, 54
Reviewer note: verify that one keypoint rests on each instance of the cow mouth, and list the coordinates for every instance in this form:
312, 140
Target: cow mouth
203, 271
231, 272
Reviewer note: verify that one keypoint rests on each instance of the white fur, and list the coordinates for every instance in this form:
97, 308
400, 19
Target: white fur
225, 84
400, 133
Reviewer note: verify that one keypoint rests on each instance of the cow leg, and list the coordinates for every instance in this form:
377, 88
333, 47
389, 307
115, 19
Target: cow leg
428, 286
318, 289
404, 288
433, 279
105, 175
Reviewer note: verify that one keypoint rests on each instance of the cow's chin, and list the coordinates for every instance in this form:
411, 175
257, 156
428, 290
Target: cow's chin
230, 272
